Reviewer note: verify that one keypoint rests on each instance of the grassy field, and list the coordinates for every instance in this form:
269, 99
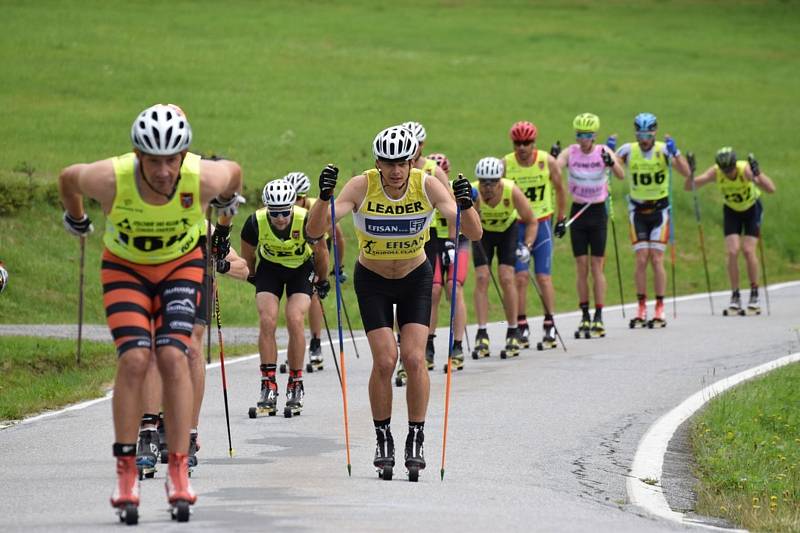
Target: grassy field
291, 86
747, 445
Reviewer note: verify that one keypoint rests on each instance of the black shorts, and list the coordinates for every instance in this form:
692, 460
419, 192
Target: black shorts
272, 277
432, 248
505, 242
589, 230
376, 295
205, 303
747, 222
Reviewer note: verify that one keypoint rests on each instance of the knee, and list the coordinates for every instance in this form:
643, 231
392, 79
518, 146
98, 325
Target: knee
295, 320
506, 277
481, 278
133, 365
414, 363
436, 291
267, 323
384, 366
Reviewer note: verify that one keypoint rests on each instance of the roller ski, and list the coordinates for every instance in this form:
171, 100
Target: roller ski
294, 397
430, 352
548, 341
584, 330
658, 320
511, 349
314, 356
384, 453
179, 491
640, 320
415, 458
401, 377
267, 403
753, 307
735, 306
456, 358
147, 451
524, 335
598, 329
192, 456
481, 349
125, 498
163, 449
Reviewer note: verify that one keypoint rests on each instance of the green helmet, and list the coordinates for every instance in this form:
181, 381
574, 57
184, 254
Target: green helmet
726, 158
586, 122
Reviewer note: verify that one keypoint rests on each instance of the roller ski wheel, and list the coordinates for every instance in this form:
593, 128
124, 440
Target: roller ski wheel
638, 323
657, 323
283, 368
401, 377
457, 364
733, 311
180, 510
524, 336
598, 330
128, 513
413, 474
294, 398
267, 403
546, 344
314, 367
753, 311
481, 348
398, 381
386, 472
584, 330
511, 349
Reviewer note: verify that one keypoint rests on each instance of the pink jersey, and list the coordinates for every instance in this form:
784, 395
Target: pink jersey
588, 181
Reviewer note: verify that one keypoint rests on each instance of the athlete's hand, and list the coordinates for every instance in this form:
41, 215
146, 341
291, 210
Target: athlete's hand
611, 142
228, 207
323, 287
561, 229
555, 150
462, 189
221, 242
327, 181
753, 164
449, 253
342, 274
223, 266
80, 227
608, 160
523, 254
672, 149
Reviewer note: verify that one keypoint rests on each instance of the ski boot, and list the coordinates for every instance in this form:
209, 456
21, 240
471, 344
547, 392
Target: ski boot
267, 403
193, 447
735, 307
524, 335
481, 346
284, 367
640, 320
125, 498
549, 338
658, 320
511, 349
456, 358
294, 396
429, 353
384, 453
598, 329
163, 449
402, 376
584, 329
415, 458
147, 453
753, 307
314, 356
179, 491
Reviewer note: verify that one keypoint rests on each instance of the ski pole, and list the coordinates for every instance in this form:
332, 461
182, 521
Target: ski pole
350, 327
209, 281
330, 342
546, 309
610, 212
692, 167
341, 338
466, 338
450, 340
672, 244
577, 215
80, 296
222, 368
763, 269
491, 274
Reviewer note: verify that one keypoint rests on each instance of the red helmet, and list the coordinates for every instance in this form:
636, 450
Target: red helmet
441, 160
523, 131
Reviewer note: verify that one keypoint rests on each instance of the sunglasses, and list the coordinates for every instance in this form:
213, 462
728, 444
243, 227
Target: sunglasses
284, 214
487, 181
645, 135
523, 143
584, 135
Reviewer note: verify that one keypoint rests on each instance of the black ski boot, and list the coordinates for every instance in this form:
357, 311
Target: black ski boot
147, 453
384, 453
481, 345
268, 398
314, 356
735, 306
549, 336
524, 334
294, 395
415, 458
457, 357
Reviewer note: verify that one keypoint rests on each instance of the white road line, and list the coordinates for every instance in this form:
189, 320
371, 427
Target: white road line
644, 484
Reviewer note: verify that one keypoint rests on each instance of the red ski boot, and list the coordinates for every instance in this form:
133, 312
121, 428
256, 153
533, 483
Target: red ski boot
125, 498
179, 491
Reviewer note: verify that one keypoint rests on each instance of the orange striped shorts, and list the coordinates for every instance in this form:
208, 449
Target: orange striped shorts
151, 303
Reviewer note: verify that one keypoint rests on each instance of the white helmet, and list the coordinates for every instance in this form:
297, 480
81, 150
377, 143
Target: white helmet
278, 194
299, 181
161, 130
417, 129
395, 144
3, 278
489, 168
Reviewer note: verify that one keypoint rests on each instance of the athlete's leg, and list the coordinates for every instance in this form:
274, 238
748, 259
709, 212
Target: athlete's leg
296, 308
732, 245
173, 364
545, 282
521, 274
383, 346
460, 318
481, 293
436, 297
582, 277
599, 278
749, 245
509, 288
659, 272
643, 255
127, 400
315, 317
151, 387
412, 353
197, 370
267, 305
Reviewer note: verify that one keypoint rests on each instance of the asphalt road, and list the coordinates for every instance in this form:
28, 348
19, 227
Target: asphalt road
542, 442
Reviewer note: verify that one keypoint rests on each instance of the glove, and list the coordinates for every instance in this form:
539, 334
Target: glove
607, 159
223, 266
555, 150
449, 253
221, 242
80, 227
672, 150
342, 274
523, 254
753, 164
327, 182
692, 163
462, 189
561, 229
322, 287
228, 207
611, 142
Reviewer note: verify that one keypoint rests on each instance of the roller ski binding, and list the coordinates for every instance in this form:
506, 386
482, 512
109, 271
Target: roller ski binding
415, 458
147, 453
179, 491
430, 352
548, 341
193, 447
384, 453
314, 356
640, 320
598, 329
267, 403
481, 346
524, 335
753, 307
125, 498
584, 329
511, 349
658, 320
735, 306
456, 358
294, 397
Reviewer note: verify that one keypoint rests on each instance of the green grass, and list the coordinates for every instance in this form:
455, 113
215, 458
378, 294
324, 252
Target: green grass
747, 447
291, 86
42, 374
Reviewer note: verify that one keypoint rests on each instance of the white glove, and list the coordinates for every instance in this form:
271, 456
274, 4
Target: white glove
523, 254
449, 253
229, 207
79, 228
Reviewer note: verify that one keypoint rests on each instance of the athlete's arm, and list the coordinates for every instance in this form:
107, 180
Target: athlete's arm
239, 269
762, 181
706, 177
249, 236
321, 259
558, 187
221, 179
617, 169
563, 158
95, 180
441, 175
523, 207
442, 199
347, 201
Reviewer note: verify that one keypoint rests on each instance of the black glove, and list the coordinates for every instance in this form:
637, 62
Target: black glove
322, 287
555, 150
560, 229
327, 182
753, 164
462, 189
607, 159
223, 266
448, 254
221, 242
80, 227
692, 163
251, 279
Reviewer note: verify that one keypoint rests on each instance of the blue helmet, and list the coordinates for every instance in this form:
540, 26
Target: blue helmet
645, 122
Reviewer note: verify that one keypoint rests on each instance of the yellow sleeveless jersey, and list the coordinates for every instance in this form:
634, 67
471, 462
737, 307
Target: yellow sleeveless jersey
739, 193
534, 181
291, 252
502, 215
153, 234
390, 229
648, 176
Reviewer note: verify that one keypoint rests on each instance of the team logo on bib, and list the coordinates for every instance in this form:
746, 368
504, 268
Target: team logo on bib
506, 202
187, 199
296, 234
541, 165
